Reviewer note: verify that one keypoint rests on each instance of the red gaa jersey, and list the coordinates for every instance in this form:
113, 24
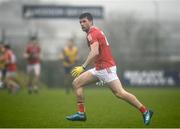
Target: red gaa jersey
11, 61
33, 52
104, 59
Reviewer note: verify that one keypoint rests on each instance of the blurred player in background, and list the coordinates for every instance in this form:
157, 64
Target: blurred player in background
105, 70
10, 65
2, 65
32, 55
69, 57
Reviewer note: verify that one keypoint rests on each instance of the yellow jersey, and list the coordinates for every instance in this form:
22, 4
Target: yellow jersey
70, 56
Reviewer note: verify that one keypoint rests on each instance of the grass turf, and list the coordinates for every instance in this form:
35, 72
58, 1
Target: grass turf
49, 108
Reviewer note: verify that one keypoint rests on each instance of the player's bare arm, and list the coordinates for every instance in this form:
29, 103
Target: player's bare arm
92, 54
91, 57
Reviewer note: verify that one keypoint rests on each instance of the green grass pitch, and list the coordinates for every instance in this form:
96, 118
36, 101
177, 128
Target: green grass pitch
49, 108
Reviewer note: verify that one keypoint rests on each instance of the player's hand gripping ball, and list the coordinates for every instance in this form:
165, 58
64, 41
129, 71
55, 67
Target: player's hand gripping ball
77, 71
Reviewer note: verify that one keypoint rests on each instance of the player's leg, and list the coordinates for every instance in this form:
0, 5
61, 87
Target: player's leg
121, 93
2, 77
67, 79
1, 80
78, 84
37, 71
81, 81
30, 78
12, 85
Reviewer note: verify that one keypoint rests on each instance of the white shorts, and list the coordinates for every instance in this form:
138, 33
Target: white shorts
34, 68
105, 75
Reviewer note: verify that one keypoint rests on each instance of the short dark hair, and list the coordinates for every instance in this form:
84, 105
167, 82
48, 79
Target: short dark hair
32, 38
86, 15
7, 46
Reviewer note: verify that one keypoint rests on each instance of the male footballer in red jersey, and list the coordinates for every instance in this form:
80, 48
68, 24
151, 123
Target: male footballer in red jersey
11, 67
105, 70
32, 54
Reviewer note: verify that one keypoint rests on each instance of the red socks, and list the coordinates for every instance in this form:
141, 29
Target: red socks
81, 107
143, 109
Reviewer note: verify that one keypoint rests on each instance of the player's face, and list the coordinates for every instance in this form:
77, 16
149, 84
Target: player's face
85, 24
35, 43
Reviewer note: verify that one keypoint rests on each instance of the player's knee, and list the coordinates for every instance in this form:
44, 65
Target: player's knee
120, 94
76, 83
